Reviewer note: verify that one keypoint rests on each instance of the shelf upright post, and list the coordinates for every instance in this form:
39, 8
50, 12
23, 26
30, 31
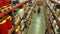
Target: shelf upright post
13, 18
12, 12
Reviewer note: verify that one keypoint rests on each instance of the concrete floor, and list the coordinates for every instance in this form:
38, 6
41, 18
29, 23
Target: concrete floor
38, 24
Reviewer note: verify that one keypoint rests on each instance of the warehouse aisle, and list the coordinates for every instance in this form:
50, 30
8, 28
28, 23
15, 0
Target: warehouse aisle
38, 24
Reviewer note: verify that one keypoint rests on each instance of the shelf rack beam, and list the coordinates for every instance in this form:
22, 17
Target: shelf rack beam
10, 10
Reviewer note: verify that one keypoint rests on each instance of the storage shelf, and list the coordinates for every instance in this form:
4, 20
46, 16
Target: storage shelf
10, 10
53, 13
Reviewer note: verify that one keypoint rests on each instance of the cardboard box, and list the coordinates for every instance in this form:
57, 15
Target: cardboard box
39, 2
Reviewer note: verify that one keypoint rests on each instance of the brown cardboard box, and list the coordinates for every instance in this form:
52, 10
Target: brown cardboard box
40, 2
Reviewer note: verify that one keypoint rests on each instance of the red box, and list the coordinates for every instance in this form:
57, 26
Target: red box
6, 2
1, 3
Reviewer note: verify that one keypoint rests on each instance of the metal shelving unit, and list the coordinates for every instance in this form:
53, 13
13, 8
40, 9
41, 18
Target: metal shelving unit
12, 9
49, 14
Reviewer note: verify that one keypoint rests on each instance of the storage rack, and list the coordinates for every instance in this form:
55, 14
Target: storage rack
29, 10
14, 7
49, 22
10, 10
